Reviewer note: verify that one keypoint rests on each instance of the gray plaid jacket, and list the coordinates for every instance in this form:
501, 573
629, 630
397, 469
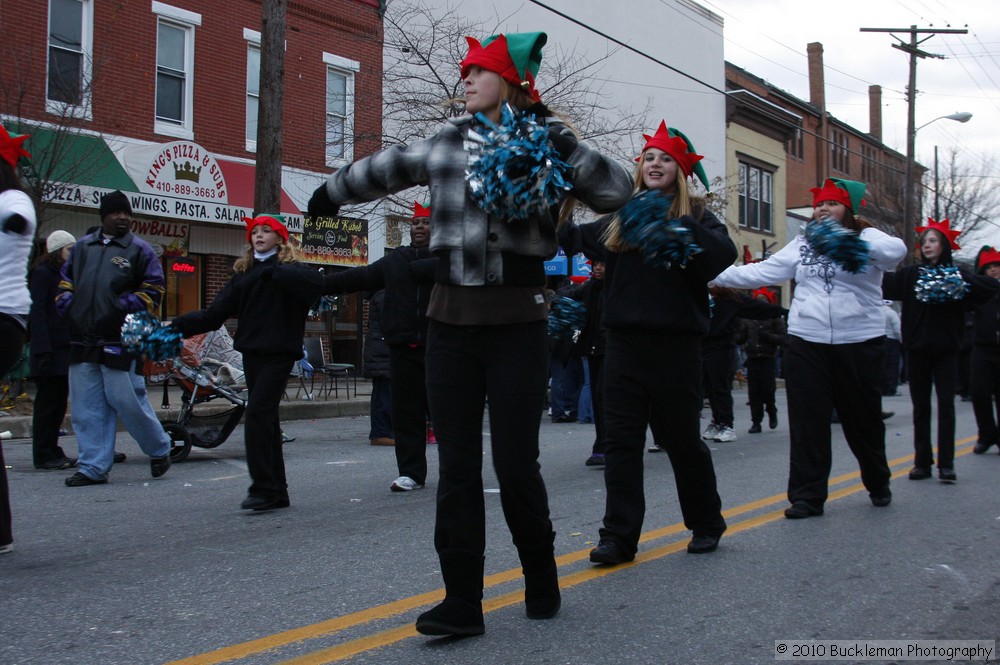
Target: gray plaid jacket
473, 248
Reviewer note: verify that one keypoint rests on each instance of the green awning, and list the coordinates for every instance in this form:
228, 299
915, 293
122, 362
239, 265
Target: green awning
67, 156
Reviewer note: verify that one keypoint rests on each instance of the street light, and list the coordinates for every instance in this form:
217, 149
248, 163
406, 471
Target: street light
908, 225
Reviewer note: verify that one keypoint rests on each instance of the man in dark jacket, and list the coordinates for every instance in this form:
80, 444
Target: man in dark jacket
376, 356
406, 273
109, 273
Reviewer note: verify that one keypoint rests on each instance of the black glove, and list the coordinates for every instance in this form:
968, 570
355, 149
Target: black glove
320, 204
564, 144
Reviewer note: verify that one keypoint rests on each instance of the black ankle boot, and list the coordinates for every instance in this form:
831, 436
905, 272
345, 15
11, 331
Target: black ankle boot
541, 579
461, 611
453, 616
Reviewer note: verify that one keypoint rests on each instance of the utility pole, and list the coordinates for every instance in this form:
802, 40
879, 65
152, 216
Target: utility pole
908, 223
267, 186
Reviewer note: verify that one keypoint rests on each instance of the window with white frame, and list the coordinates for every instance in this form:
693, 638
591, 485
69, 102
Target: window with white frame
340, 73
756, 195
253, 86
71, 29
175, 70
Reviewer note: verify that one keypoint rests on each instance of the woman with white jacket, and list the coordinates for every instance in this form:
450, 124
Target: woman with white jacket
836, 330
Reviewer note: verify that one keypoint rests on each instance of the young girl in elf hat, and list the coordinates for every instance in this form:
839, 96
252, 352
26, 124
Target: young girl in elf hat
833, 351
269, 335
17, 235
487, 334
661, 251
985, 378
935, 294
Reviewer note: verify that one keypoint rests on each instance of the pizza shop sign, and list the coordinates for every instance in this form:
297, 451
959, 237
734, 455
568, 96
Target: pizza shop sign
185, 169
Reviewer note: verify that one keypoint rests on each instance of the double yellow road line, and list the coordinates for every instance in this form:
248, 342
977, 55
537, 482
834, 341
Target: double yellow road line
404, 605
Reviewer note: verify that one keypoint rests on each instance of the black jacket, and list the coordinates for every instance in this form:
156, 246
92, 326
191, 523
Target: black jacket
641, 297
987, 327
591, 341
726, 314
376, 353
761, 339
48, 329
934, 327
272, 314
407, 275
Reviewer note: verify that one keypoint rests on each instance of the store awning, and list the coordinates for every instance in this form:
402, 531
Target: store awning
241, 182
68, 157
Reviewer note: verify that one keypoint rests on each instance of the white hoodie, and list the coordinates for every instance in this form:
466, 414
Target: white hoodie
829, 305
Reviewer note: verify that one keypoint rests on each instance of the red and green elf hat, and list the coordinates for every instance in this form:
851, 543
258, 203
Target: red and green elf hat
420, 210
987, 256
516, 57
11, 148
848, 192
679, 147
944, 226
276, 222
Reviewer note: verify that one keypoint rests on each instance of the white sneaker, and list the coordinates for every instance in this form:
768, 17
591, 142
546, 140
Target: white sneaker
725, 435
710, 432
405, 484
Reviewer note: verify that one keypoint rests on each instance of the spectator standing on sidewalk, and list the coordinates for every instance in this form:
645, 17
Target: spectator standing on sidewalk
49, 355
376, 357
761, 340
109, 274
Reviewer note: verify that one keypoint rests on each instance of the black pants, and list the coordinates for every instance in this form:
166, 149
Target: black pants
927, 369
718, 367
893, 348
11, 343
761, 387
466, 366
655, 379
380, 408
596, 366
986, 392
819, 378
266, 376
47, 417
409, 410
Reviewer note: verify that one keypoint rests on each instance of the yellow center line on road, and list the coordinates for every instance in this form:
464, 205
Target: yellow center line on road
394, 635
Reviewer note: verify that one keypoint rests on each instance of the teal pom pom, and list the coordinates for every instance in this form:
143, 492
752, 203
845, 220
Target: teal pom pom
567, 317
940, 284
514, 170
144, 335
645, 226
840, 244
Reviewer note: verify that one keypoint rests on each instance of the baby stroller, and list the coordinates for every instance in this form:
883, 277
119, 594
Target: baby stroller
196, 424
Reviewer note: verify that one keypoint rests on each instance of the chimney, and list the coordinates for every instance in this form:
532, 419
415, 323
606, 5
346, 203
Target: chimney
817, 95
875, 111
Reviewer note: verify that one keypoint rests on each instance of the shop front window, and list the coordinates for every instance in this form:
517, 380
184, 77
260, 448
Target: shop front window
183, 276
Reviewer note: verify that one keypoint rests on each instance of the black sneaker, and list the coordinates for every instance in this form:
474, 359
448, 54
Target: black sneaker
119, 457
703, 544
57, 464
80, 480
802, 509
772, 420
919, 473
981, 447
159, 465
947, 475
754, 429
609, 552
597, 459
881, 499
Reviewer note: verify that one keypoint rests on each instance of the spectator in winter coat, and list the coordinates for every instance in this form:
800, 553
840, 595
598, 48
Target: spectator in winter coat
49, 355
376, 357
761, 340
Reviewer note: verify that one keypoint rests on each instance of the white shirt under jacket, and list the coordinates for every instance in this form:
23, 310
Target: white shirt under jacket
829, 305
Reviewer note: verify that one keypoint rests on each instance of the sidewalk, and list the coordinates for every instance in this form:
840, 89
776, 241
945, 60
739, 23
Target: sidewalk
17, 421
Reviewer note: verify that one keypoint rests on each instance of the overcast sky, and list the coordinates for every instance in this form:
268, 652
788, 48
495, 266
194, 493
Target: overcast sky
768, 38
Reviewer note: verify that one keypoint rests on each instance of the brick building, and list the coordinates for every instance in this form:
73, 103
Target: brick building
821, 146
160, 100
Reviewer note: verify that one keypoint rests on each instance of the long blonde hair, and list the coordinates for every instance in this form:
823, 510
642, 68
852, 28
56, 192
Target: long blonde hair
683, 204
287, 253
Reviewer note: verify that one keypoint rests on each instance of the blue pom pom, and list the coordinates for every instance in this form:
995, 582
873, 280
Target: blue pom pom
645, 226
567, 317
144, 335
831, 239
514, 170
940, 284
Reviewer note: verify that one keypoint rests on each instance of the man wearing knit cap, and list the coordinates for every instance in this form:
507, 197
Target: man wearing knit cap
110, 273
